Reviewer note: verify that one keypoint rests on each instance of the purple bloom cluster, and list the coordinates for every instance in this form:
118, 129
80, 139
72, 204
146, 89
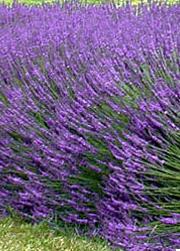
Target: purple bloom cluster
89, 119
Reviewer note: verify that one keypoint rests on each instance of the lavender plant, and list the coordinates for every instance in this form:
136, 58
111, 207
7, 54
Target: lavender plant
89, 121
144, 201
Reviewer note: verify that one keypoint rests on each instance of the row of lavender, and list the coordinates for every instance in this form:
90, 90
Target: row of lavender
90, 119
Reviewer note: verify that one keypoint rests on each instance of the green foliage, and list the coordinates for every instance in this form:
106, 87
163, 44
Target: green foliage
3, 98
39, 119
164, 191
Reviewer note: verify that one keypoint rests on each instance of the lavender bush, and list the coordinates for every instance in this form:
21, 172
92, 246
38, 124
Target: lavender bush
89, 121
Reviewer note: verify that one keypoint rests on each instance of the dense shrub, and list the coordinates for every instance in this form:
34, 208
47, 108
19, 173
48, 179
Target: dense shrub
89, 121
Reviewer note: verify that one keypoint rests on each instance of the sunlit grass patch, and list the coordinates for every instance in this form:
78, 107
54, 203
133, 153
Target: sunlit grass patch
16, 235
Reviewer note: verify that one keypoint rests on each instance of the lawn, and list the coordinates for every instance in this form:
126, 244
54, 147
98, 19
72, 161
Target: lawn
16, 235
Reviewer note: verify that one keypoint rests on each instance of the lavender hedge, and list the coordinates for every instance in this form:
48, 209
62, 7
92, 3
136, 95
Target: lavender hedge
89, 121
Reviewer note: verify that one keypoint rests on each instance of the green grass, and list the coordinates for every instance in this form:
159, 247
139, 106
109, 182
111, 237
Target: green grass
16, 235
